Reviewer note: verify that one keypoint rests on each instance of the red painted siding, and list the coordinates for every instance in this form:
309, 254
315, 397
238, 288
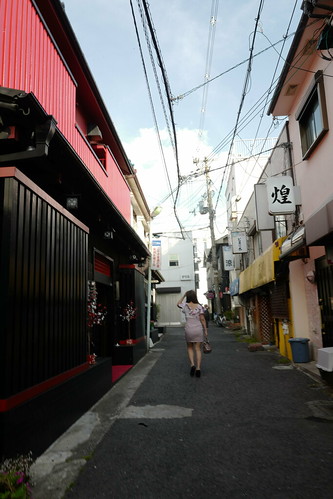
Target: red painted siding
110, 177
30, 61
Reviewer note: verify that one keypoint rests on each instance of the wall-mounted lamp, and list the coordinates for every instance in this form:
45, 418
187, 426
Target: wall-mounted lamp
108, 234
72, 202
156, 211
311, 276
94, 134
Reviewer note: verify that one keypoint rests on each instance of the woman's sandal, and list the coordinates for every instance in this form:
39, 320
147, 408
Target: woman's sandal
192, 371
198, 373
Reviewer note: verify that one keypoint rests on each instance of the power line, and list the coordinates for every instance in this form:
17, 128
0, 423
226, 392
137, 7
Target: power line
210, 80
251, 111
168, 95
150, 98
245, 91
209, 58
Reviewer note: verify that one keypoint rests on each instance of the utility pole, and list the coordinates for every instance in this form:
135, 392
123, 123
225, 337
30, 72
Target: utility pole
212, 237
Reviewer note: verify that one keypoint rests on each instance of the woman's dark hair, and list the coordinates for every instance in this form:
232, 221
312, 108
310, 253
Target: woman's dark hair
191, 296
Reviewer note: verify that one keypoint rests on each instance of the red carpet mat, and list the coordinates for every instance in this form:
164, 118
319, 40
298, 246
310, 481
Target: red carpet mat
119, 371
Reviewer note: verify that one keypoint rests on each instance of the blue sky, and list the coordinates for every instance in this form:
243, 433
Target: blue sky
105, 31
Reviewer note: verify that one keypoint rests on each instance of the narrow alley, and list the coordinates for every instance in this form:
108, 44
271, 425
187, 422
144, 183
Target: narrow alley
251, 426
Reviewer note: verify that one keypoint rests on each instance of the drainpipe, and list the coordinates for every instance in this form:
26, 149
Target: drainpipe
292, 169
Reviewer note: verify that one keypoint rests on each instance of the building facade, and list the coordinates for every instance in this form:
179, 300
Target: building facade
285, 276
70, 259
177, 265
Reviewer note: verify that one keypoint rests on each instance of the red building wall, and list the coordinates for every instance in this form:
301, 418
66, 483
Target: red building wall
30, 61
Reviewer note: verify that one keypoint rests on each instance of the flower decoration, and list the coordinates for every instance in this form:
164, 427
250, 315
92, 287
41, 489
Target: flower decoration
129, 312
96, 311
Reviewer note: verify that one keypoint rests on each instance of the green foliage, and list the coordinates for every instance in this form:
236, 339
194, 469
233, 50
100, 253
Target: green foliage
283, 360
228, 315
14, 476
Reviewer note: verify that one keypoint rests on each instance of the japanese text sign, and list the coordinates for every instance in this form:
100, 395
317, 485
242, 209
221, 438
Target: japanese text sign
239, 242
156, 254
280, 195
228, 258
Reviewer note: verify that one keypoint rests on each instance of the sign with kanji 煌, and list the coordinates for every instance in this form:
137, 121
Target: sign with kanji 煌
280, 195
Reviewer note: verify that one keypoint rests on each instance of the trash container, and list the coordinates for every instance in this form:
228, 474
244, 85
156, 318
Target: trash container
300, 349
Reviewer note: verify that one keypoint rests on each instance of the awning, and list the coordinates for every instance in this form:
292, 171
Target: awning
164, 291
294, 242
262, 270
320, 225
156, 277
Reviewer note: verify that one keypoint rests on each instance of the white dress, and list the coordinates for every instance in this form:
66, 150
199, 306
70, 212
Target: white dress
193, 327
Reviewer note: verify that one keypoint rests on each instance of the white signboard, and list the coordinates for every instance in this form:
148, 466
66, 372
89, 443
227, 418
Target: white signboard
239, 242
228, 258
156, 254
280, 195
264, 221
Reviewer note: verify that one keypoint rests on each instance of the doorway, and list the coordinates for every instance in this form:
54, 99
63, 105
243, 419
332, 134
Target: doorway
324, 277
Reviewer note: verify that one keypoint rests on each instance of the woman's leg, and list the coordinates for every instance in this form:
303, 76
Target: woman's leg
190, 353
198, 355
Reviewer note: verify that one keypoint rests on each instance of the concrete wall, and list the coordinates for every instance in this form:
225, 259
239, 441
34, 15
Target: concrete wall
175, 276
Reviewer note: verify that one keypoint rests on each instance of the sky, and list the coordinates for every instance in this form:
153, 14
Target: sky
194, 50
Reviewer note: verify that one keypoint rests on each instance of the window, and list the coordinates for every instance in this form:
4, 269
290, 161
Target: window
280, 226
173, 261
312, 116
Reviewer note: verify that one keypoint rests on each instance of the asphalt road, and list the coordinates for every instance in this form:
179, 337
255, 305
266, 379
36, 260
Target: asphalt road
246, 428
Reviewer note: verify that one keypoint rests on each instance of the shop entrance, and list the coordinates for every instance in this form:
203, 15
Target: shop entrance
324, 277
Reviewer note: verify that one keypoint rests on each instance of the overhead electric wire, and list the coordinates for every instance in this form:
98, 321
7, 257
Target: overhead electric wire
169, 97
267, 96
189, 92
150, 97
245, 91
209, 58
251, 111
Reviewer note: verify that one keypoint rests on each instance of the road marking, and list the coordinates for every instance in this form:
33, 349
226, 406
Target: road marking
162, 411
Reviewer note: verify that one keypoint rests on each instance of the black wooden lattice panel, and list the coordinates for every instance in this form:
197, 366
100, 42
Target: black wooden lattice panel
42, 289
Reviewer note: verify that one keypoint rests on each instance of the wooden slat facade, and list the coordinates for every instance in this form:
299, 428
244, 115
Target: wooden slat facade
42, 289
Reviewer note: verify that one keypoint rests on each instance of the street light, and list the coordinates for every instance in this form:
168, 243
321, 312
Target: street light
153, 214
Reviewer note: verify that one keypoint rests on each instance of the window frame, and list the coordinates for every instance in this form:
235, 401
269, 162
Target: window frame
316, 93
173, 260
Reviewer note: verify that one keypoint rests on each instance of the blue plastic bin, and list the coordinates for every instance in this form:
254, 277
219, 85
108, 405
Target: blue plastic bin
300, 349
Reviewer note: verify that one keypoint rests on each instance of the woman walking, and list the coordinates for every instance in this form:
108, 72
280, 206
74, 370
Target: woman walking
195, 328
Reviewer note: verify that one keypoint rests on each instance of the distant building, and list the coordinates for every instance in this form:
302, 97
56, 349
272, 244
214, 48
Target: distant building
177, 268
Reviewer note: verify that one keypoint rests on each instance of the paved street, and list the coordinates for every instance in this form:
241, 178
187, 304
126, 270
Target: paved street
249, 427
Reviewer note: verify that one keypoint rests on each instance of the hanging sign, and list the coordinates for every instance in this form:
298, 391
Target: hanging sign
239, 242
228, 258
156, 254
280, 195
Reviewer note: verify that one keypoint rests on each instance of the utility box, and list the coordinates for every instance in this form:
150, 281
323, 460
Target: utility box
300, 349
325, 364
325, 359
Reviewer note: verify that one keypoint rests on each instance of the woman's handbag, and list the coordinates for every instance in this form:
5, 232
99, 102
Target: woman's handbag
206, 346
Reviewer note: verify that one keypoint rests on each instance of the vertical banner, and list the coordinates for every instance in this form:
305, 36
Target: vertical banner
156, 254
228, 258
239, 242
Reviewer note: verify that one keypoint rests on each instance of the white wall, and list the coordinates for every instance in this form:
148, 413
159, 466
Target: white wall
180, 276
